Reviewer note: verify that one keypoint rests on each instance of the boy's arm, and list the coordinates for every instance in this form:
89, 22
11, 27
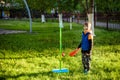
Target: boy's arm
79, 46
90, 39
90, 42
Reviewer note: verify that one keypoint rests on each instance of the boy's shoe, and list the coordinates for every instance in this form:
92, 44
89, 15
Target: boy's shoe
86, 71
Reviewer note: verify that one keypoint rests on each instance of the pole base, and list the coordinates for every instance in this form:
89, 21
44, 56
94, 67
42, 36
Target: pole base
62, 70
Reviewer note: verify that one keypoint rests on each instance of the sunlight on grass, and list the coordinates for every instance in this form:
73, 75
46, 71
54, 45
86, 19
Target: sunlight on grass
33, 56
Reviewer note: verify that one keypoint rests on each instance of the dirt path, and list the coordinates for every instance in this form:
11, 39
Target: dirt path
3, 31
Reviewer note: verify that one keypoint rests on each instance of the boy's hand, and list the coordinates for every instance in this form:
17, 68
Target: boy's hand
74, 52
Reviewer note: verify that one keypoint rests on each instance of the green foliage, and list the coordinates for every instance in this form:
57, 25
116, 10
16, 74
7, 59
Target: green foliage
107, 5
41, 5
33, 56
16, 4
65, 5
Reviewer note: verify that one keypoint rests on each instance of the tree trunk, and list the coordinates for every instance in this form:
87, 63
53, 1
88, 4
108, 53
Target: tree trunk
43, 18
91, 20
91, 16
60, 21
95, 17
70, 23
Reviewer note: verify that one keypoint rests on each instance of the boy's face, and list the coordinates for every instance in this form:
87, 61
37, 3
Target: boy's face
85, 27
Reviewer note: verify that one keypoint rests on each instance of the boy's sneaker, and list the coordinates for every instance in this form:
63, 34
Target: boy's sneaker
86, 71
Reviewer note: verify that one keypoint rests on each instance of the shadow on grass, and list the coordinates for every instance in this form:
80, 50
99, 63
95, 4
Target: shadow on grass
26, 74
50, 74
16, 58
2, 78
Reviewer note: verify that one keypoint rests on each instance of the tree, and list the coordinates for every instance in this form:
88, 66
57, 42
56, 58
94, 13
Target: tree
108, 6
67, 6
42, 6
88, 6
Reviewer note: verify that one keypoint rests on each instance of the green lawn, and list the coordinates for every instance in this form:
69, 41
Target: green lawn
32, 56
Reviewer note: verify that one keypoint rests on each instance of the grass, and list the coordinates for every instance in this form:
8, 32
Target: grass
32, 56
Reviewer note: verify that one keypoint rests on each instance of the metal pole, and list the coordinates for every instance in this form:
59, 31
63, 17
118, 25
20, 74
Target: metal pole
60, 46
61, 26
29, 15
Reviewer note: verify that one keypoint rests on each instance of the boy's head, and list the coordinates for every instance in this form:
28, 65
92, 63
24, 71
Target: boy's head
87, 26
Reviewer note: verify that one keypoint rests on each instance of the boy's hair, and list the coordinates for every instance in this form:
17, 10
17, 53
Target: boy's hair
88, 24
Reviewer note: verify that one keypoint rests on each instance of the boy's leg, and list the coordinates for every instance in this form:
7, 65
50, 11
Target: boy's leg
86, 61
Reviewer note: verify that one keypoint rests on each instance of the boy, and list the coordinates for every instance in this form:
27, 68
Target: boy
86, 46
